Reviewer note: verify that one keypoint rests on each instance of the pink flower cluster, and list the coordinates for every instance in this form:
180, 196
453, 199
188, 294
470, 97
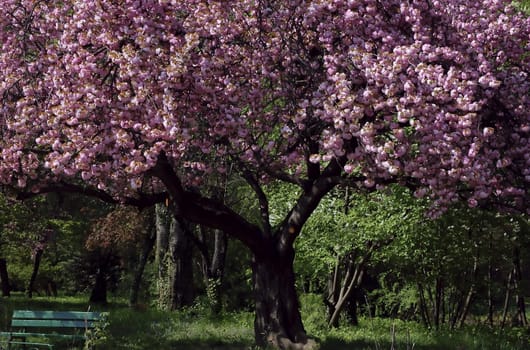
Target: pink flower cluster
432, 92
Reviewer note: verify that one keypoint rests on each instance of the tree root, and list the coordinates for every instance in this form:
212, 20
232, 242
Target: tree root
281, 341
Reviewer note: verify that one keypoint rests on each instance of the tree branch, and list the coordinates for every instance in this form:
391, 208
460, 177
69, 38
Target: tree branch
141, 202
262, 199
307, 203
206, 211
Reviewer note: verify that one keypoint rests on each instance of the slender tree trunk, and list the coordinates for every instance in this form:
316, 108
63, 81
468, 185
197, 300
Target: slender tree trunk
214, 270
4, 278
333, 291
36, 264
351, 281
490, 285
507, 298
438, 299
99, 290
470, 294
352, 309
278, 321
519, 295
423, 307
147, 247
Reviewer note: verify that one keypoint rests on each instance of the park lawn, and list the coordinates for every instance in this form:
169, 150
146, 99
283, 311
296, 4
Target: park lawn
194, 329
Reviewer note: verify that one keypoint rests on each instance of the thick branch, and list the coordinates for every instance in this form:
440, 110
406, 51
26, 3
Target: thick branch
307, 203
206, 211
141, 202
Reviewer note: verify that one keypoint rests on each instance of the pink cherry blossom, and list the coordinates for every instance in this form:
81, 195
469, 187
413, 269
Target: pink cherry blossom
434, 93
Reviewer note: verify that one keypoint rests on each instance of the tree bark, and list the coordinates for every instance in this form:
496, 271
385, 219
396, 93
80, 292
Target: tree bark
278, 322
4, 278
162, 222
180, 265
174, 258
36, 264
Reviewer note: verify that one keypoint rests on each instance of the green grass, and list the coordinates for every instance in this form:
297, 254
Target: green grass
194, 329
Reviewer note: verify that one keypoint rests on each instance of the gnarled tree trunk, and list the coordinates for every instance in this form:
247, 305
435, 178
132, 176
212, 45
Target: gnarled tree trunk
278, 321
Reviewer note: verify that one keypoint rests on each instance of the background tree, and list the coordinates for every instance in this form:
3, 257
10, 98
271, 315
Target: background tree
130, 232
133, 99
174, 260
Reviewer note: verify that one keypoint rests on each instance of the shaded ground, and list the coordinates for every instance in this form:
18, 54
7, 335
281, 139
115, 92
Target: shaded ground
194, 329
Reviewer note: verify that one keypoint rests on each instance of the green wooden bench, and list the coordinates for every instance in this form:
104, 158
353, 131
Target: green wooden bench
66, 325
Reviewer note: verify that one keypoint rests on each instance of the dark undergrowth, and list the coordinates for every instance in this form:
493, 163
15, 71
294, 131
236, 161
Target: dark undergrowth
196, 329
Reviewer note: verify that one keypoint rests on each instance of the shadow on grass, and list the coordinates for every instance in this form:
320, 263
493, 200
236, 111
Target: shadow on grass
332, 343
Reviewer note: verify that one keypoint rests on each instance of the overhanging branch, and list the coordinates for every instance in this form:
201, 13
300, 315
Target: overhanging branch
206, 211
141, 202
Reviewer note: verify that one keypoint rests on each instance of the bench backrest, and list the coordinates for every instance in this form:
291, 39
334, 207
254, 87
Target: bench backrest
55, 319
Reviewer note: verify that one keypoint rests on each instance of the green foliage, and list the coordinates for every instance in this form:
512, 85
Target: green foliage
523, 5
55, 223
98, 335
347, 222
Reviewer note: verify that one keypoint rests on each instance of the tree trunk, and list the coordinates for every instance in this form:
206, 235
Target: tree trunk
213, 270
147, 247
333, 292
423, 307
438, 299
507, 299
4, 278
278, 321
490, 285
471, 292
174, 258
351, 308
521, 319
180, 271
36, 264
99, 291
352, 280
162, 222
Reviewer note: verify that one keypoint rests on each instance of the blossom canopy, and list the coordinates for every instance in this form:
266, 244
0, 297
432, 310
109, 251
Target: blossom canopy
435, 93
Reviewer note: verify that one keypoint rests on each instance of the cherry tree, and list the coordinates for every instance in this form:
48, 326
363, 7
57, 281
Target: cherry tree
135, 100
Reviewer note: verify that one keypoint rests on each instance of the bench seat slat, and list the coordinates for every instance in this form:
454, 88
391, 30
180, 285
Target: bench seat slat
50, 346
52, 323
41, 335
57, 315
